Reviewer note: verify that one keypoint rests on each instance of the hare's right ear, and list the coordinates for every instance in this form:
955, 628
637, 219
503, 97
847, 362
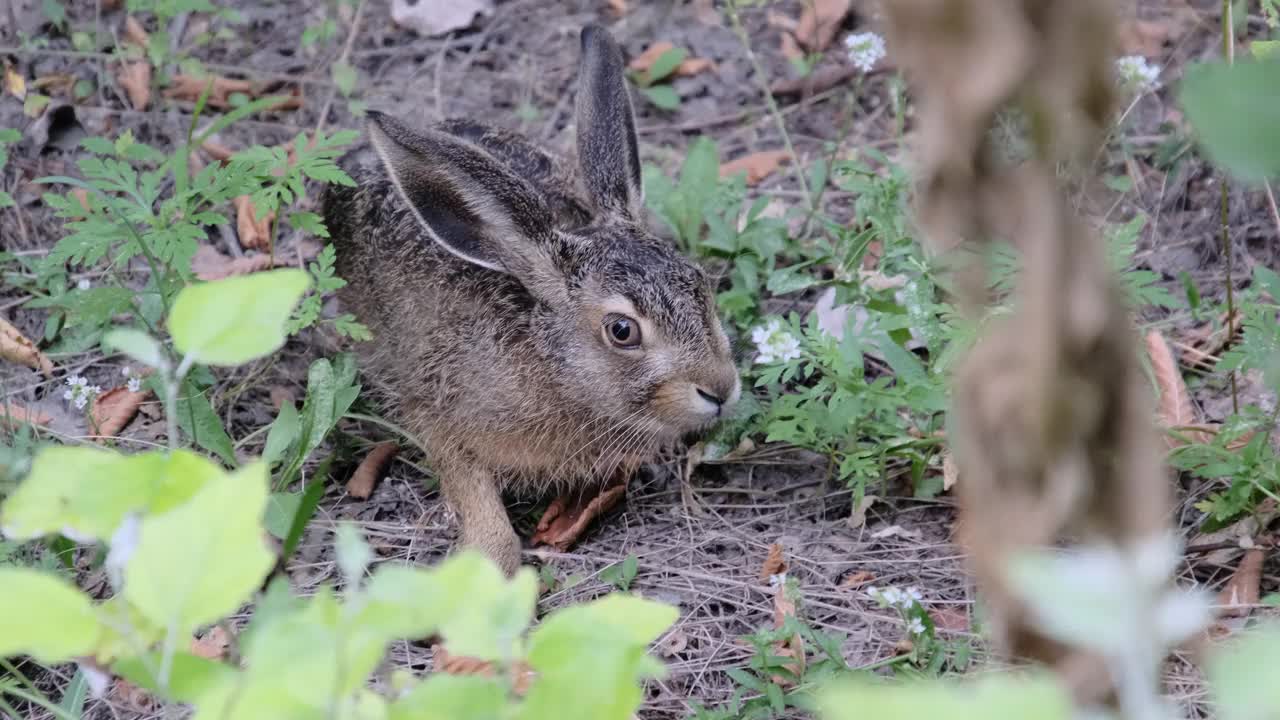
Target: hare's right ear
470, 203
607, 150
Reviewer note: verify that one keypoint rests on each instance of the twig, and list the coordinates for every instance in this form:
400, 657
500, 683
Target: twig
761, 78
346, 54
1229, 50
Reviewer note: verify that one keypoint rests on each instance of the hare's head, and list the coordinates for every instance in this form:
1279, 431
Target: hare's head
629, 321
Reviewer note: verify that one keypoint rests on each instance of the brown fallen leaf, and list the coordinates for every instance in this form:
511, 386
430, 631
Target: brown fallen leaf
674, 644
254, 233
113, 409
462, 665
217, 151
360, 486
619, 7
135, 34
706, 13
190, 88
14, 83
1242, 591
774, 563
1176, 410
135, 78
688, 67
790, 50
13, 416
819, 23
950, 473
566, 519
213, 645
784, 606
1205, 342
950, 619
858, 579
82, 196
209, 264
16, 348
757, 165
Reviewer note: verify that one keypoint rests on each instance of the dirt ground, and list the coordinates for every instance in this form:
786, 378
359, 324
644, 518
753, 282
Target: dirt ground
699, 544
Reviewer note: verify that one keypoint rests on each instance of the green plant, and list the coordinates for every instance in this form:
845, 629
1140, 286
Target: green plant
621, 574
184, 550
650, 81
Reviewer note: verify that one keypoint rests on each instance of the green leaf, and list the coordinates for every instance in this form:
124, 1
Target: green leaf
1242, 674
86, 492
1265, 49
45, 616
75, 695
309, 222
230, 322
666, 63
1037, 697
137, 345
451, 697
98, 146
284, 431
344, 76
200, 561
198, 420
663, 96
190, 676
1235, 110
604, 640
306, 509
282, 507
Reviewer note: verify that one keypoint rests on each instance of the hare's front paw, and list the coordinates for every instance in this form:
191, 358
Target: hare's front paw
474, 495
500, 544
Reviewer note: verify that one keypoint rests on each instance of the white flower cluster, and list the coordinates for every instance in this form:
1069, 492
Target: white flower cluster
896, 597
1137, 75
79, 391
774, 344
135, 383
865, 50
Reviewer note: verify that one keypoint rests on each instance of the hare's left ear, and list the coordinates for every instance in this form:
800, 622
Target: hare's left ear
607, 150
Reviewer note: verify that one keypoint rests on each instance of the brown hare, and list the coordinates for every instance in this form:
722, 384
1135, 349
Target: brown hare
528, 329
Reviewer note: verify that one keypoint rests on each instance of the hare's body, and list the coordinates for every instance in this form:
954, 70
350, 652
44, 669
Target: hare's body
527, 329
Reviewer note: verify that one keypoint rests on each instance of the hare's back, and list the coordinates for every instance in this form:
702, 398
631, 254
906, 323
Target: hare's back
550, 175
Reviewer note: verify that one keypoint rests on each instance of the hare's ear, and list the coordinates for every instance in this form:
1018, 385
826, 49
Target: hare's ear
469, 203
607, 152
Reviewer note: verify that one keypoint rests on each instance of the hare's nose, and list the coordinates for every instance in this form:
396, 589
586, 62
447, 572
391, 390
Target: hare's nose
712, 398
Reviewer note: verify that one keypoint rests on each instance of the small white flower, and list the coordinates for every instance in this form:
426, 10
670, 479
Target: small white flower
915, 594
915, 626
83, 283
1137, 75
124, 541
778, 579
865, 50
126, 371
774, 344
134, 384
79, 391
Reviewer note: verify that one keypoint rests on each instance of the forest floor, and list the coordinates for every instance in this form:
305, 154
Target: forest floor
700, 539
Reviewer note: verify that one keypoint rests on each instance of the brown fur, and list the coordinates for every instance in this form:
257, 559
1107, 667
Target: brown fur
487, 276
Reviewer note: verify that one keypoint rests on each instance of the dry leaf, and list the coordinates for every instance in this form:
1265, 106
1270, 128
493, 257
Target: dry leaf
819, 23
790, 50
858, 517
674, 644
950, 473
135, 78
780, 21
565, 520
209, 264
134, 33
758, 165
705, 11
17, 349
774, 564
217, 151
1205, 342
82, 196
190, 88
619, 7
113, 409
213, 646
14, 83
1242, 591
1175, 401
254, 234
281, 395
950, 619
895, 531
13, 416
688, 67
462, 665
437, 18
360, 486
858, 579
793, 647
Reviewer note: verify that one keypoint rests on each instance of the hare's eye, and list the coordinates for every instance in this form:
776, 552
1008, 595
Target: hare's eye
622, 331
